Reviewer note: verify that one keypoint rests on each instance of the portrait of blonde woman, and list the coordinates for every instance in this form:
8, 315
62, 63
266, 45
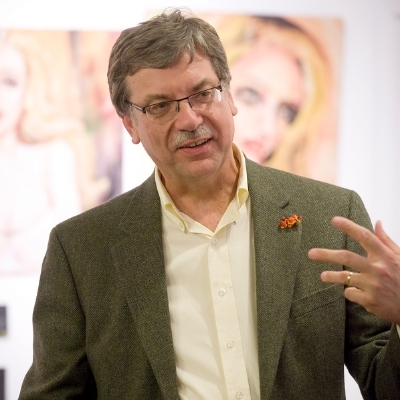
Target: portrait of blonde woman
47, 159
284, 86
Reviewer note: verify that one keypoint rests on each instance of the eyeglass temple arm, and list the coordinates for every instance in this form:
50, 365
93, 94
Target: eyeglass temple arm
142, 109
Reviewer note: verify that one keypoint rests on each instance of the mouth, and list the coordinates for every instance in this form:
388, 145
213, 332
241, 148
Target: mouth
195, 144
193, 139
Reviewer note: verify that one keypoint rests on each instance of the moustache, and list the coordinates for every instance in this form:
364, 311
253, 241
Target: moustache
203, 131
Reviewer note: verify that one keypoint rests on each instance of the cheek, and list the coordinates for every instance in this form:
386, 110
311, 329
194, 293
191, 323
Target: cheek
282, 126
153, 142
12, 99
16, 98
10, 113
281, 131
253, 118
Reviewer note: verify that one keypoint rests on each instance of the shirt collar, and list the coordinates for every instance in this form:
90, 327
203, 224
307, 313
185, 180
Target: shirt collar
242, 191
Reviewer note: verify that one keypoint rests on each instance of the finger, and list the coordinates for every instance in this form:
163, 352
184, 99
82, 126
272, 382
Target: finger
339, 277
357, 296
341, 257
355, 292
371, 304
346, 278
368, 240
385, 238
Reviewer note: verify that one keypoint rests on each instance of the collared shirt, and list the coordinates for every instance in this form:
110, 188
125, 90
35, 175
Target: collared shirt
211, 295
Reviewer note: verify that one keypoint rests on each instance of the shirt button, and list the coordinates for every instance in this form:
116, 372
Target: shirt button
180, 225
214, 240
239, 395
221, 292
230, 344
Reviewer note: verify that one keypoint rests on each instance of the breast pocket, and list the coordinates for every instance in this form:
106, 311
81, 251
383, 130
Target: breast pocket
317, 300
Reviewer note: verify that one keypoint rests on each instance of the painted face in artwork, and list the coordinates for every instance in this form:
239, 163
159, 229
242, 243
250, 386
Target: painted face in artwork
268, 90
13, 81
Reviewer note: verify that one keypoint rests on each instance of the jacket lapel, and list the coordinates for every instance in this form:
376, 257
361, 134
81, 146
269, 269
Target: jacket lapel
140, 263
276, 250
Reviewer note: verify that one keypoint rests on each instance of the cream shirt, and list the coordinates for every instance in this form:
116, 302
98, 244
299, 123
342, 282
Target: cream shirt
211, 295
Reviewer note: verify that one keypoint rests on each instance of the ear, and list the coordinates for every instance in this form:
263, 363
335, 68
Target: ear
131, 128
232, 104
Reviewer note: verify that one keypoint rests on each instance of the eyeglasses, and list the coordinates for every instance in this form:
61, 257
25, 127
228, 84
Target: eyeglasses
167, 110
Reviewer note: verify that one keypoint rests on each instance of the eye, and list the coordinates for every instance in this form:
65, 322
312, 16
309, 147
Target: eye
203, 96
248, 96
288, 112
10, 82
160, 108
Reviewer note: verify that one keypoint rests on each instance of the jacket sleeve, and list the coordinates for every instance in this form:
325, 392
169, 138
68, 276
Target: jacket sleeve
60, 368
372, 353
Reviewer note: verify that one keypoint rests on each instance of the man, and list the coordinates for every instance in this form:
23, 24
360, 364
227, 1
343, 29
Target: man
197, 284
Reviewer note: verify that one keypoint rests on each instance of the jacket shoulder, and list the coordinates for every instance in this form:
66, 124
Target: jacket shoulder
293, 193
293, 185
113, 211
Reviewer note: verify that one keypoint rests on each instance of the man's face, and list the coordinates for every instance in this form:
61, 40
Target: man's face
178, 154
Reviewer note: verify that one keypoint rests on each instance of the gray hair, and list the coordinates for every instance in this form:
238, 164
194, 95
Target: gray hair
158, 43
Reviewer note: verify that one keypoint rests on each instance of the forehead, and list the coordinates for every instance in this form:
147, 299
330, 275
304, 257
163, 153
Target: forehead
181, 78
270, 67
274, 58
11, 58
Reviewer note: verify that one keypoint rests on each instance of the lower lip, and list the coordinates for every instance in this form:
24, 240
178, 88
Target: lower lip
195, 149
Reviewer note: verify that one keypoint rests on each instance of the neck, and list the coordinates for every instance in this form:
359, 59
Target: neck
205, 200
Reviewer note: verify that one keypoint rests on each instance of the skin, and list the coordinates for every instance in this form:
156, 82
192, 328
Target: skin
376, 285
201, 180
267, 85
13, 81
26, 213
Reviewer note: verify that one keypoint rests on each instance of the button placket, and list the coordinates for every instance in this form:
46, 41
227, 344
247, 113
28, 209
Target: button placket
226, 317
221, 292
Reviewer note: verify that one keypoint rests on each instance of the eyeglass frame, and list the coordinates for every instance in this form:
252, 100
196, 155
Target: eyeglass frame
143, 109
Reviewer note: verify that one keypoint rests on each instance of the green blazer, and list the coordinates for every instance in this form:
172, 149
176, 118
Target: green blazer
101, 319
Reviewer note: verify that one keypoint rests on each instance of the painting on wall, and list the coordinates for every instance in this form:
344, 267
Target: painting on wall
285, 84
60, 138
3, 320
2, 384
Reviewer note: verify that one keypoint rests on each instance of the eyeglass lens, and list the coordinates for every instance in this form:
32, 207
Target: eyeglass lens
166, 110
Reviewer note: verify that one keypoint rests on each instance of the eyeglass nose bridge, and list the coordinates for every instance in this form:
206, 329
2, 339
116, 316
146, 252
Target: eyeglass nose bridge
178, 101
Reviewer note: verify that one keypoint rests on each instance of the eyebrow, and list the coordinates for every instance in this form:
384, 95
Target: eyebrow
203, 84
154, 98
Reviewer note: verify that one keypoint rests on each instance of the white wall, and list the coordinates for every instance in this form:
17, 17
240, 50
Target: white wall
369, 140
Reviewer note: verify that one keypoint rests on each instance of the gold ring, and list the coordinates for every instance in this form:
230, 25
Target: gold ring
348, 278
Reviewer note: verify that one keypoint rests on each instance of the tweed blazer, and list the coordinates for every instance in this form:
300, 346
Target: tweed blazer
101, 319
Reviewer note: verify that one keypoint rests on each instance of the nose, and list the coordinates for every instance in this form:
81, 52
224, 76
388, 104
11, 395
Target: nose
268, 121
187, 118
179, 102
